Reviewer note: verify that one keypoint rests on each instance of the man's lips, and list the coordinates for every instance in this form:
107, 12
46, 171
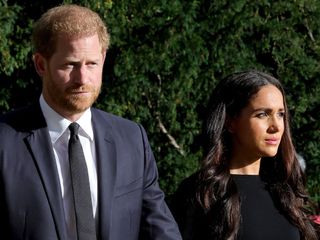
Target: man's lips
79, 90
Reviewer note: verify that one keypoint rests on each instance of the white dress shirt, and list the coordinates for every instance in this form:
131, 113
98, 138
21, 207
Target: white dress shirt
60, 134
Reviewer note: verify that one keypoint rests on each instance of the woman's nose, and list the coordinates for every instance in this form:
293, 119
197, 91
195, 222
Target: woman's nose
275, 124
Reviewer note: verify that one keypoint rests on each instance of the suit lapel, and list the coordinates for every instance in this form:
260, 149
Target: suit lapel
39, 144
106, 169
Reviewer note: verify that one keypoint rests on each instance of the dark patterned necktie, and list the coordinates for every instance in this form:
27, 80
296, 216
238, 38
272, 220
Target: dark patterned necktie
81, 188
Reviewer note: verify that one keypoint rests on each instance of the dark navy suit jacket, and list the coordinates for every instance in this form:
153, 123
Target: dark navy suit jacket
131, 205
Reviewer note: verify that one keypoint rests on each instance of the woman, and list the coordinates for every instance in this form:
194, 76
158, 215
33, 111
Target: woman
250, 184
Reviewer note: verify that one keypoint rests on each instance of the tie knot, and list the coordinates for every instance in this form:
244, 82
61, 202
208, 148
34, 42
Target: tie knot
74, 128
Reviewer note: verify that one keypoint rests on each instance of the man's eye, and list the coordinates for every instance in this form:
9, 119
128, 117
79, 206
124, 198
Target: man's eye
92, 64
69, 65
281, 114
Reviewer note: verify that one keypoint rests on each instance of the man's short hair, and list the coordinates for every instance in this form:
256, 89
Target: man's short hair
67, 20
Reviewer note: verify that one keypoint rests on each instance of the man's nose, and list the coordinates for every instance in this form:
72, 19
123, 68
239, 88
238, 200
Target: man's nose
81, 75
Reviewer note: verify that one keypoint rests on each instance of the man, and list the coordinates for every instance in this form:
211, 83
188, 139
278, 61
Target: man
61, 182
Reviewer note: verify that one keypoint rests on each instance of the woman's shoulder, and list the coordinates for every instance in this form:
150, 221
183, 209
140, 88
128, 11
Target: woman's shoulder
186, 209
188, 186
185, 197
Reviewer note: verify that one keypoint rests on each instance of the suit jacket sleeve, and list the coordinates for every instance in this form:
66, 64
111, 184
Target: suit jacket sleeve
157, 221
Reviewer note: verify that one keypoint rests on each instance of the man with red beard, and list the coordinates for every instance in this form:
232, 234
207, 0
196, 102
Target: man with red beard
70, 171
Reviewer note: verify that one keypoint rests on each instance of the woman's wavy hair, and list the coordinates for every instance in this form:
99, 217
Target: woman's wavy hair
217, 192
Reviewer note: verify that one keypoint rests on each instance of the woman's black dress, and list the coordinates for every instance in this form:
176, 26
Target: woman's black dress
260, 219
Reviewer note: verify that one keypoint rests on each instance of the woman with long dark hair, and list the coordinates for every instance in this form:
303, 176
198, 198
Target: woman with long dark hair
250, 185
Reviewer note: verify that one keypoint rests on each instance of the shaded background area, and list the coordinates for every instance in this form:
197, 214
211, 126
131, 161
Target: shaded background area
166, 56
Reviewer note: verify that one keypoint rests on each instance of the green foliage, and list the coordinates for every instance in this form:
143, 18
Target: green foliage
154, 78
7, 20
14, 39
8, 16
15, 51
167, 55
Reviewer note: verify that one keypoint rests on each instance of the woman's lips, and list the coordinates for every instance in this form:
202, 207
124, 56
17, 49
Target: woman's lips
272, 141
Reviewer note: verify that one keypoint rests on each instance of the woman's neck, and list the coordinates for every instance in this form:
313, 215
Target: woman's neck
245, 167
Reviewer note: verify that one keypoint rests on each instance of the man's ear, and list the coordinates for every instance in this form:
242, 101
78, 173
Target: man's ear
40, 64
104, 52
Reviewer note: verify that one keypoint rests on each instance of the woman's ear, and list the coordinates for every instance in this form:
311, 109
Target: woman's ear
40, 64
229, 124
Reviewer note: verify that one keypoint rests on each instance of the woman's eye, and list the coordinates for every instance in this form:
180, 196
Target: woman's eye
262, 115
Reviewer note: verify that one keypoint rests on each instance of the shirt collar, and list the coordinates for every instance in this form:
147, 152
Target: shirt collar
57, 124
